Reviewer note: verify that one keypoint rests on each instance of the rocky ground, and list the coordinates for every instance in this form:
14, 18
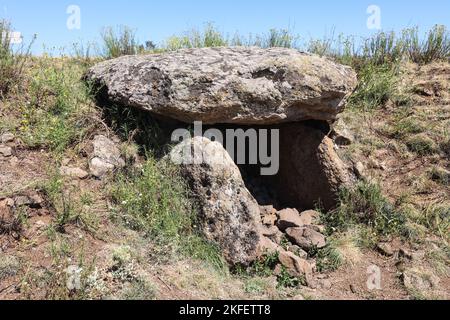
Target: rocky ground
59, 223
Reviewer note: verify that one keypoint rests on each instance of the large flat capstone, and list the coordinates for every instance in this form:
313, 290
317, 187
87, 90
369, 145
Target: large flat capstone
237, 85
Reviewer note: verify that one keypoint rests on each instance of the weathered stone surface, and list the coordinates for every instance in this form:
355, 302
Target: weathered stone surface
309, 217
297, 251
341, 135
229, 215
6, 138
5, 151
418, 280
306, 238
385, 249
33, 200
73, 172
291, 218
295, 265
268, 215
106, 157
227, 85
310, 172
412, 255
272, 232
267, 246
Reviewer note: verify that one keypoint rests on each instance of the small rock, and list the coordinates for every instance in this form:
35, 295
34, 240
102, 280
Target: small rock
400, 265
291, 218
269, 231
359, 169
7, 202
385, 249
100, 168
268, 215
65, 161
341, 134
267, 210
317, 228
269, 220
374, 164
416, 280
37, 199
295, 266
297, 251
73, 172
309, 217
14, 161
7, 137
306, 238
325, 284
34, 201
106, 157
6, 151
21, 201
267, 246
278, 269
273, 233
414, 255
311, 282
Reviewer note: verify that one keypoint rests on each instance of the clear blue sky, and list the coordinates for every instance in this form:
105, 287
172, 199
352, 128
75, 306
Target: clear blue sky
157, 19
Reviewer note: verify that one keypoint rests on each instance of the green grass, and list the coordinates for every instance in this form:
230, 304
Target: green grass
68, 205
285, 280
139, 290
440, 175
58, 112
118, 42
155, 201
329, 258
256, 285
436, 217
210, 36
9, 266
421, 144
12, 61
434, 46
405, 126
364, 209
364, 204
377, 85
379, 49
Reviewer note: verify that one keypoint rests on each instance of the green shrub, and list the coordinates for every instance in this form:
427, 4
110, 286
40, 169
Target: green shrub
377, 85
285, 280
365, 204
329, 258
59, 108
155, 201
382, 48
67, 206
210, 36
119, 41
12, 62
435, 46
